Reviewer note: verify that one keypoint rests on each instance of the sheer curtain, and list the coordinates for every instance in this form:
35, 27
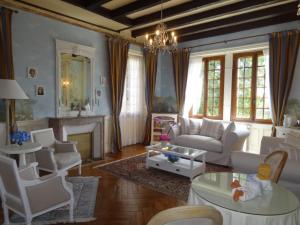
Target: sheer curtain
194, 88
133, 113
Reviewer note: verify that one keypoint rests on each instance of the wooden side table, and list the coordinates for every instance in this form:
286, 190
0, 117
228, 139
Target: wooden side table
21, 150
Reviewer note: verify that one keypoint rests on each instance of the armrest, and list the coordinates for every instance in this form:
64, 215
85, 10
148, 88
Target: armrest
45, 158
61, 147
235, 140
30, 172
269, 142
174, 131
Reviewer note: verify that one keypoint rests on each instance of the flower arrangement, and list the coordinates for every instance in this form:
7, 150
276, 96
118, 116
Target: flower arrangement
18, 137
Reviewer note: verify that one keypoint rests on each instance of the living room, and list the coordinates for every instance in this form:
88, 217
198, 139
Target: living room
93, 73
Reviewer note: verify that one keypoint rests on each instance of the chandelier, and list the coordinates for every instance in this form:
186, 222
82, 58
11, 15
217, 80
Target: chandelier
160, 40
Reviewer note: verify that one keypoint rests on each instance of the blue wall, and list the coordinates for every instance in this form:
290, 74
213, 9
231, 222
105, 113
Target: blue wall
34, 46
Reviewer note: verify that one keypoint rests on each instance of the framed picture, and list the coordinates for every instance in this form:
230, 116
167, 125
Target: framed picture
32, 72
39, 90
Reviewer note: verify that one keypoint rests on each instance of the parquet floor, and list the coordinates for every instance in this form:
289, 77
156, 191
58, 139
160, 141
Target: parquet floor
121, 202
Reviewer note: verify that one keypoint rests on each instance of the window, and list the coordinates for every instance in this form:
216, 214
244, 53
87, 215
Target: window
133, 113
250, 88
212, 98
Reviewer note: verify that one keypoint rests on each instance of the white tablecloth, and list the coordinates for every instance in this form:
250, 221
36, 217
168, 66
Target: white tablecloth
236, 218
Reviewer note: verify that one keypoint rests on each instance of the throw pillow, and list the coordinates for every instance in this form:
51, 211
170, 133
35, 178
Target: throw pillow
293, 139
184, 125
194, 127
212, 128
229, 128
293, 153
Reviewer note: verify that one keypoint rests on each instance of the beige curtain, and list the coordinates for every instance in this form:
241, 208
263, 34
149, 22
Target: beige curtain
6, 59
117, 54
283, 54
181, 59
151, 69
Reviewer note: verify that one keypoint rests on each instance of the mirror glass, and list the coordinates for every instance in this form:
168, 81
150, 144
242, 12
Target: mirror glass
75, 82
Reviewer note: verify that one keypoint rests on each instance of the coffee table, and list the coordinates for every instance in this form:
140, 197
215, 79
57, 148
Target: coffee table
278, 207
185, 166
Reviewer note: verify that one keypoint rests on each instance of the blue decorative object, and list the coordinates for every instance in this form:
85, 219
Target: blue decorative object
171, 157
18, 137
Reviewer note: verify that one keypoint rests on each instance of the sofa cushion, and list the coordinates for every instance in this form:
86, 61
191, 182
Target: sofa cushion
194, 127
229, 128
212, 128
184, 125
199, 142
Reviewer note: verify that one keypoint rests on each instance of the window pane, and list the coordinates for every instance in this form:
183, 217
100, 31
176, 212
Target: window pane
241, 73
211, 74
247, 102
259, 114
248, 72
217, 83
248, 82
267, 114
261, 60
216, 102
240, 102
217, 64
210, 92
260, 82
217, 74
247, 92
247, 113
248, 62
260, 71
260, 92
259, 102
240, 83
211, 65
216, 112
217, 92
241, 62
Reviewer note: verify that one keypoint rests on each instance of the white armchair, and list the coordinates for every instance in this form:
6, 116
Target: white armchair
55, 155
24, 193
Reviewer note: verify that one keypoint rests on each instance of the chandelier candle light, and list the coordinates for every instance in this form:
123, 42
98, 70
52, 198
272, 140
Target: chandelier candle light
161, 40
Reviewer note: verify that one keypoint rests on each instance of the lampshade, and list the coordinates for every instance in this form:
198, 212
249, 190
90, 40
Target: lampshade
10, 89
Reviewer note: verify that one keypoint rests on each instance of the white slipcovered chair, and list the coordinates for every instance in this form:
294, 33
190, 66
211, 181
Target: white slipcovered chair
188, 215
55, 155
24, 193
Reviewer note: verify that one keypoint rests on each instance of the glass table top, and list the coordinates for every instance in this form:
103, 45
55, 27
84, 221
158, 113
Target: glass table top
215, 188
178, 150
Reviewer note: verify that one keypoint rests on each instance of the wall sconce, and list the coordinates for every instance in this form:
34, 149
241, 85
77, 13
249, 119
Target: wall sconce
65, 83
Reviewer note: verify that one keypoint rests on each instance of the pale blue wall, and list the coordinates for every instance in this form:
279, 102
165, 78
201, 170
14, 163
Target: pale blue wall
34, 46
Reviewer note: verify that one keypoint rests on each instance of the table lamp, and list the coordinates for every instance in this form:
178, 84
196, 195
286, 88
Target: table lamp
10, 89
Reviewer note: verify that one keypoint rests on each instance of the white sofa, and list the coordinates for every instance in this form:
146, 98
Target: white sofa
218, 149
248, 163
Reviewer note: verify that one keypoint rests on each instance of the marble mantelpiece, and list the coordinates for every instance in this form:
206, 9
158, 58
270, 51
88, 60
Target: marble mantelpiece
64, 126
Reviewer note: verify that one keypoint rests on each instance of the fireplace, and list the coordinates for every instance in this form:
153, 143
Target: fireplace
65, 127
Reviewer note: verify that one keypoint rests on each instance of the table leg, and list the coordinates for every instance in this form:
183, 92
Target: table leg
22, 160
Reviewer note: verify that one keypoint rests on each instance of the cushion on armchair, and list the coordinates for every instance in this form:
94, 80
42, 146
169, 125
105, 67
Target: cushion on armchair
212, 128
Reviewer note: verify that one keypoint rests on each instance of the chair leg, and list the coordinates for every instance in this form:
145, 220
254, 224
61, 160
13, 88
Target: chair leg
79, 169
28, 220
6, 214
71, 211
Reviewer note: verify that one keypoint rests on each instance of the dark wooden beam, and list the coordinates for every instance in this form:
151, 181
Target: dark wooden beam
134, 7
198, 16
94, 4
241, 27
91, 6
263, 13
172, 11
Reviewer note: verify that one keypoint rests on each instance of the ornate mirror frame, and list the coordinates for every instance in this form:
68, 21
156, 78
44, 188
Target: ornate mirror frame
82, 50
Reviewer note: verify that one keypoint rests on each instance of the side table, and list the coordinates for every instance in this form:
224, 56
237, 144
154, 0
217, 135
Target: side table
21, 150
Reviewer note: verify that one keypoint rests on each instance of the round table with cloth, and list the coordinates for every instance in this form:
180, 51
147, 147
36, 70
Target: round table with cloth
276, 207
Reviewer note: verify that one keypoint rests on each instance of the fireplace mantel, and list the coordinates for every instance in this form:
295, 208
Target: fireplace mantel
64, 126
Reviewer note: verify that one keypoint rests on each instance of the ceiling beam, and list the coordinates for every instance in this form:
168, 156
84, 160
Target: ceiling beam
241, 27
94, 4
172, 11
203, 15
263, 13
134, 7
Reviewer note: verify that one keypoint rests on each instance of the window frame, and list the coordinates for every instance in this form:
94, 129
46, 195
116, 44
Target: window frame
205, 88
233, 117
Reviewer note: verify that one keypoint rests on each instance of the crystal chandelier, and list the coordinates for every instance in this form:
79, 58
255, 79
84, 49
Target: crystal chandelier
161, 40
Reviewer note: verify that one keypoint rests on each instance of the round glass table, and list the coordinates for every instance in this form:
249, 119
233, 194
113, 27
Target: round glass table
278, 206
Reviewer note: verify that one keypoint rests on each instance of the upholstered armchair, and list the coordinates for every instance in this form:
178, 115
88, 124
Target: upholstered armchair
55, 155
24, 193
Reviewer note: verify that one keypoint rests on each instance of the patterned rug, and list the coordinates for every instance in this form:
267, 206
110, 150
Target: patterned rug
171, 184
85, 191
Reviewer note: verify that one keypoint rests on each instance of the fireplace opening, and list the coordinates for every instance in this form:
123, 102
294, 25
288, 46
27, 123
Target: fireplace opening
84, 145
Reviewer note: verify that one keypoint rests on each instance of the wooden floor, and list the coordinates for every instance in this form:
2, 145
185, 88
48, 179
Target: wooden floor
121, 202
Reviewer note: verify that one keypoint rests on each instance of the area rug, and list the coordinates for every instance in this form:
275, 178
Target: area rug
85, 191
134, 169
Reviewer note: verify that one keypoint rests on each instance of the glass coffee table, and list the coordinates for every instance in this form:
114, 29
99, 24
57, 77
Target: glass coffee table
278, 207
157, 157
